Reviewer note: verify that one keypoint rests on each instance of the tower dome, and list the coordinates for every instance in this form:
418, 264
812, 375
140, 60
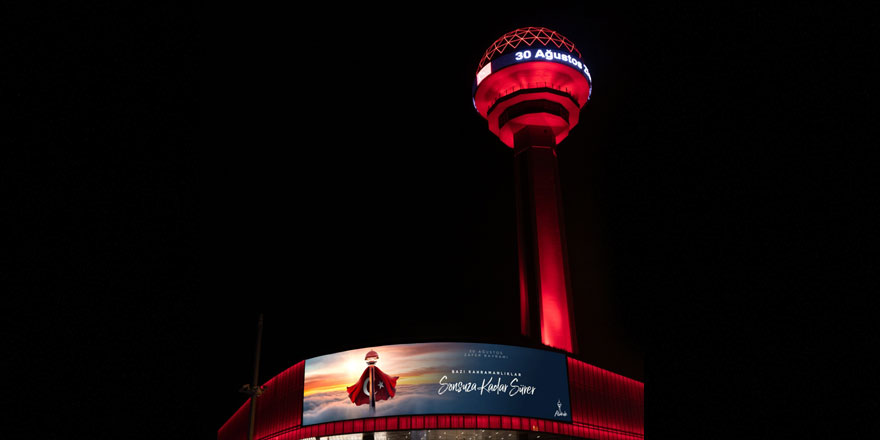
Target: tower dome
531, 77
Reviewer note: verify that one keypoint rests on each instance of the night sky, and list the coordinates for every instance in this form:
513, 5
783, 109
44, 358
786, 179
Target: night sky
328, 170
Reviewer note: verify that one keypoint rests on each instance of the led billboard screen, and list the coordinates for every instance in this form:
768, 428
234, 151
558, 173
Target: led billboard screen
436, 378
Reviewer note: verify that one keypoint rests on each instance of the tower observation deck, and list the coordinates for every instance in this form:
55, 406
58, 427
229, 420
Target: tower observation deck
531, 77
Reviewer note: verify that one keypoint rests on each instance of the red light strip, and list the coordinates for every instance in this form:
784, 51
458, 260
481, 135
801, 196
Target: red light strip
592, 412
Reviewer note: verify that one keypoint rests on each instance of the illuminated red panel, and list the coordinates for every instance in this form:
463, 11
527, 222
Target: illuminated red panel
505, 422
458, 421
614, 404
237, 425
531, 75
494, 422
286, 390
506, 87
515, 423
470, 422
279, 409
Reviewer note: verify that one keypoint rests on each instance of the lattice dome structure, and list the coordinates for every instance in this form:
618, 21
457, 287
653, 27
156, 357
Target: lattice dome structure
527, 36
531, 77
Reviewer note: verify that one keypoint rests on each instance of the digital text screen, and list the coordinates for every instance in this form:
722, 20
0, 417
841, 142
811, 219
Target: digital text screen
436, 378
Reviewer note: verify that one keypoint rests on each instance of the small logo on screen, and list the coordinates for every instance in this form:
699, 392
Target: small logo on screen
559, 411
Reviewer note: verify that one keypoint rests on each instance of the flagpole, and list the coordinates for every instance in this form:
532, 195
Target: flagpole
255, 387
372, 389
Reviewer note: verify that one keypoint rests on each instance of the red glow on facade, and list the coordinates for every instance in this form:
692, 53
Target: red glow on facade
541, 251
524, 313
605, 400
604, 405
555, 320
536, 80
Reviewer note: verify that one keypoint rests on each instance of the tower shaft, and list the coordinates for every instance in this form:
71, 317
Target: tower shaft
545, 293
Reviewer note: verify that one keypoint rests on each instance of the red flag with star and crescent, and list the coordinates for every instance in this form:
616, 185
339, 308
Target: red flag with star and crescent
359, 393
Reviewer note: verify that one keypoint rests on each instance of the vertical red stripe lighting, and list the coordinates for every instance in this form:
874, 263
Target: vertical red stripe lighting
524, 322
555, 325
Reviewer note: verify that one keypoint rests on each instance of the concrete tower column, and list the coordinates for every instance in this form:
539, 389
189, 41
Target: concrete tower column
545, 298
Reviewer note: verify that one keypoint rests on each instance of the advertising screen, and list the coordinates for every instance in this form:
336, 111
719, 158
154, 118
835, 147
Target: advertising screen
436, 378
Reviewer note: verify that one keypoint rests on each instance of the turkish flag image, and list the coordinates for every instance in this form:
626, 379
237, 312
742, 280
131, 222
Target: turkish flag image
359, 393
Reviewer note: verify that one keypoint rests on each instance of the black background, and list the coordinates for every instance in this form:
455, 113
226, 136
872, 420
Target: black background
327, 169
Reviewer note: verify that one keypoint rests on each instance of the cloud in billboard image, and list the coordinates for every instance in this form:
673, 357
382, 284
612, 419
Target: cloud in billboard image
442, 378
410, 399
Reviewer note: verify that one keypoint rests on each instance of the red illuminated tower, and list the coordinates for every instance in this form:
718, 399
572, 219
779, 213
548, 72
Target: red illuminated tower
530, 87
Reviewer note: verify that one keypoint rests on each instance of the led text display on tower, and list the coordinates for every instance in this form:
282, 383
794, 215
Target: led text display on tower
436, 378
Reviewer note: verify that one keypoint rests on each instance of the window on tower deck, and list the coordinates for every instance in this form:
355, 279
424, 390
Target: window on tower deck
536, 106
484, 72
